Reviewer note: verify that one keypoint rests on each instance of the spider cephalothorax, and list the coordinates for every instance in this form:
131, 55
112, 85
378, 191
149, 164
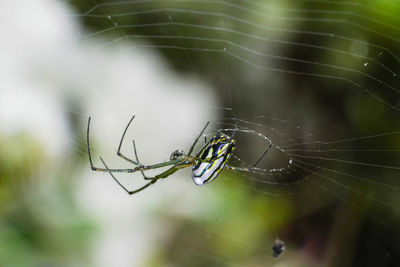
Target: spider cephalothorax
206, 165
177, 154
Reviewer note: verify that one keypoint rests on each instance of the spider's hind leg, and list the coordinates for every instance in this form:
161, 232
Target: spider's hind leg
197, 139
262, 156
127, 190
241, 169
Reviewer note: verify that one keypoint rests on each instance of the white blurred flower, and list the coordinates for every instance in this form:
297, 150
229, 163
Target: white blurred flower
47, 73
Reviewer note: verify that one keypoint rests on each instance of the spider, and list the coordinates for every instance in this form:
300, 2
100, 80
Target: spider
206, 165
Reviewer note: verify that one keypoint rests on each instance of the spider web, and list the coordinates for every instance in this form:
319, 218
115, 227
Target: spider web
318, 79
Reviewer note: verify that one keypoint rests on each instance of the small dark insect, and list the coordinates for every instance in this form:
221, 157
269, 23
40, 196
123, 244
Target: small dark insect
278, 248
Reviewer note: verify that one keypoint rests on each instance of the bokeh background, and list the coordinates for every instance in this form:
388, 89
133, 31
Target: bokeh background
317, 78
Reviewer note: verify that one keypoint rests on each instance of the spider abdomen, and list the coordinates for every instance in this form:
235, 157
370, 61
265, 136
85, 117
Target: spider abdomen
213, 158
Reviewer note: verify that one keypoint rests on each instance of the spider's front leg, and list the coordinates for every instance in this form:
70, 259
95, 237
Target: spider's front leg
137, 162
137, 159
164, 174
119, 154
102, 169
153, 181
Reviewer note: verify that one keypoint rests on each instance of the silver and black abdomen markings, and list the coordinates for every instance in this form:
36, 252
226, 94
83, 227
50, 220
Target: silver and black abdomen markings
216, 152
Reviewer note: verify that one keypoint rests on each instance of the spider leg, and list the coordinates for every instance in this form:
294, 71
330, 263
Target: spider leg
137, 159
120, 144
197, 139
127, 190
101, 169
167, 173
138, 168
164, 174
245, 169
241, 169
262, 156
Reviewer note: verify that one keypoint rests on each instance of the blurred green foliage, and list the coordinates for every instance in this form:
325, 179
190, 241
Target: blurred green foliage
42, 225
40, 222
